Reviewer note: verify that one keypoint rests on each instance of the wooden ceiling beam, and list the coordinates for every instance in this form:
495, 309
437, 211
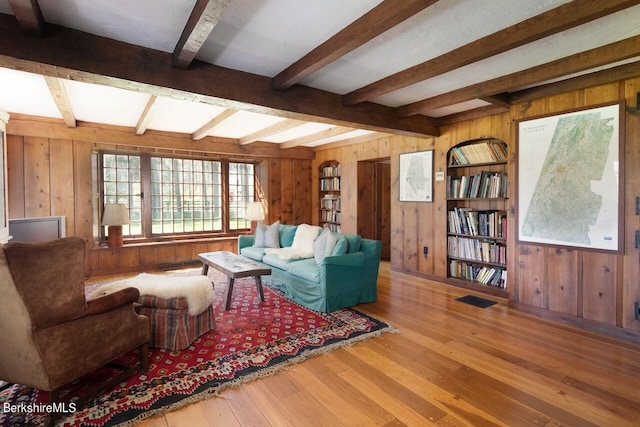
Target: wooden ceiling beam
501, 100
561, 18
61, 99
610, 75
204, 17
211, 124
29, 16
381, 18
476, 113
317, 136
85, 133
281, 126
72, 54
572, 64
146, 116
350, 141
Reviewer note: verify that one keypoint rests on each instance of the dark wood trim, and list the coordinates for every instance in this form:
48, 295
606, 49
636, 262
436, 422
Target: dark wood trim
204, 17
386, 15
621, 72
29, 16
476, 113
554, 21
578, 62
75, 55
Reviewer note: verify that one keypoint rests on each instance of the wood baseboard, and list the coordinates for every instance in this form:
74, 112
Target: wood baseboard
586, 324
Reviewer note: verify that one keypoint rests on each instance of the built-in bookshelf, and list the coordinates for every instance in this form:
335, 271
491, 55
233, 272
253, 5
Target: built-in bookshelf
330, 202
476, 191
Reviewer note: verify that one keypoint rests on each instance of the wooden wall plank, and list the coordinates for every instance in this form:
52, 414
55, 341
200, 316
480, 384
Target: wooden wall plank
301, 192
562, 281
15, 171
287, 172
37, 177
599, 300
62, 182
531, 275
275, 192
349, 189
84, 220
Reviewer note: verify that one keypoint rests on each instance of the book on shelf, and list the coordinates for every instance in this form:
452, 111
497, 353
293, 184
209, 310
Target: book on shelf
477, 153
485, 184
331, 202
490, 276
331, 171
490, 223
488, 251
331, 216
330, 184
332, 227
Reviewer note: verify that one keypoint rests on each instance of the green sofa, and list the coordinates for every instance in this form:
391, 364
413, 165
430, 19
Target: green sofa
341, 280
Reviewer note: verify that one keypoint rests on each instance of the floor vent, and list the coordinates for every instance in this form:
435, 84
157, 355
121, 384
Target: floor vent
476, 301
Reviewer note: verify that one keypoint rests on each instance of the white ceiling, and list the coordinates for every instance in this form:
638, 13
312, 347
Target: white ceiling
264, 37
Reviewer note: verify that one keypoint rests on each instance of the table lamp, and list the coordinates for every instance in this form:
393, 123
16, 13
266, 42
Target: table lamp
114, 216
254, 212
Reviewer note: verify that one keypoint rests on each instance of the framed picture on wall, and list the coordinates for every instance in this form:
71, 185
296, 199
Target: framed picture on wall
570, 178
416, 176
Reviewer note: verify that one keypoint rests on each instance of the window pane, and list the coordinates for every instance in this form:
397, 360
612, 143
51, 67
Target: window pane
241, 191
183, 193
121, 184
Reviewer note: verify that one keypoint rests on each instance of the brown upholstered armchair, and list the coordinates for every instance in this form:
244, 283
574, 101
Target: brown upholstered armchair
49, 334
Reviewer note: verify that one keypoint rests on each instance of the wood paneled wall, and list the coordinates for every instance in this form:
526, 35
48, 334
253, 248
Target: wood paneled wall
53, 176
596, 287
587, 288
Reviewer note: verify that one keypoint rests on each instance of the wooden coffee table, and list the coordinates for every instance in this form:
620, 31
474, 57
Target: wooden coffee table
234, 266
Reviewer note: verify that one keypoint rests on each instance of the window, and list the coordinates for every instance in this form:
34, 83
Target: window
122, 184
174, 196
241, 191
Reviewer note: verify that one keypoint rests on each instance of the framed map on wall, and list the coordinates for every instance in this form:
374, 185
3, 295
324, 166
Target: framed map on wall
416, 171
570, 178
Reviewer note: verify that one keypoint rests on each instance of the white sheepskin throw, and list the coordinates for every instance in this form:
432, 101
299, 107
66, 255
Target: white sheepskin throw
302, 246
196, 289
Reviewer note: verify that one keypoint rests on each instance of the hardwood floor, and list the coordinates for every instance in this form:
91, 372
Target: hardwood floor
452, 364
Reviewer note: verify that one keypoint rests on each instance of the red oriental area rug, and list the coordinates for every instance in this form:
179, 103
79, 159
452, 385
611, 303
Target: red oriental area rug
251, 340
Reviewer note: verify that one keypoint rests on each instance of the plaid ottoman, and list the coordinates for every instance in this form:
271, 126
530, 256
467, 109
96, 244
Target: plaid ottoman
171, 325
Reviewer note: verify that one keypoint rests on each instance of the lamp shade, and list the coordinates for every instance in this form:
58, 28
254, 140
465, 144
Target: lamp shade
254, 211
115, 214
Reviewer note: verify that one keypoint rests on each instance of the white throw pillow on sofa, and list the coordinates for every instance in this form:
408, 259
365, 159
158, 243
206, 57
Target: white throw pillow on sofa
323, 246
267, 236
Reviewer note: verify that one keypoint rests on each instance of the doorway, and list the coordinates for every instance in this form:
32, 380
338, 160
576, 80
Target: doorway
374, 202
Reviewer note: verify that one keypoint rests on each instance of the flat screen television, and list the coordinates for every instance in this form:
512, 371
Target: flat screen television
39, 229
